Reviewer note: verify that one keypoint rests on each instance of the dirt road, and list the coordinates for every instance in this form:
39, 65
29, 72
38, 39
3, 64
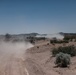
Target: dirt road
15, 59
11, 61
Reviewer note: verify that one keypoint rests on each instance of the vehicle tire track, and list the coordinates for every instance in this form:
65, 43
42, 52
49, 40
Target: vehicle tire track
34, 67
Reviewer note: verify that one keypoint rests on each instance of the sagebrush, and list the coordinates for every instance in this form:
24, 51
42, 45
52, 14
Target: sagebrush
62, 60
59, 41
71, 50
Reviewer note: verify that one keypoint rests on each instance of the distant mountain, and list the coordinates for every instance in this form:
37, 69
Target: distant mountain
62, 33
34, 34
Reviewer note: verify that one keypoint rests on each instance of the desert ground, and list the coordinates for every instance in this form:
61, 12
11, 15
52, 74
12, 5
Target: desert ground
12, 57
39, 61
27, 59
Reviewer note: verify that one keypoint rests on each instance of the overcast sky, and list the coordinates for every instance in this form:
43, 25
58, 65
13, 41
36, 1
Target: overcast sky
41, 16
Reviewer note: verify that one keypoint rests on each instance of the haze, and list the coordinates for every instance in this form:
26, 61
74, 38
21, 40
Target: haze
17, 48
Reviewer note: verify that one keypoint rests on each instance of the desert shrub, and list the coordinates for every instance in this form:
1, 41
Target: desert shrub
53, 41
37, 46
62, 60
64, 44
67, 49
40, 38
58, 41
53, 44
48, 44
69, 37
65, 41
66, 38
75, 40
32, 41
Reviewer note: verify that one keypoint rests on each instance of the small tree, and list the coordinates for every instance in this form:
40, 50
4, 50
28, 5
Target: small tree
7, 37
62, 59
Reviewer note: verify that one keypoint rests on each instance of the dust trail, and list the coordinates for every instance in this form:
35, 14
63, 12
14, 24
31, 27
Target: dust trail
12, 56
57, 35
17, 48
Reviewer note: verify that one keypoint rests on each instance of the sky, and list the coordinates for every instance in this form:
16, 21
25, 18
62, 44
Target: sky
41, 16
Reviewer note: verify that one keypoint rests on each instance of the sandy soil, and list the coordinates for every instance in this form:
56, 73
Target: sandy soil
10, 65
12, 59
39, 61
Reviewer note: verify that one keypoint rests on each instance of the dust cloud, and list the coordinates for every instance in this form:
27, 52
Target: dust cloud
58, 36
17, 48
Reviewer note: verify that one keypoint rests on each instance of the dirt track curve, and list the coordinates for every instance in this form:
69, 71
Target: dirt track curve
10, 65
12, 60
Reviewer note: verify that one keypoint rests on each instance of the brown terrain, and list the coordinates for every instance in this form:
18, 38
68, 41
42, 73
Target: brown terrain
37, 60
12, 57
